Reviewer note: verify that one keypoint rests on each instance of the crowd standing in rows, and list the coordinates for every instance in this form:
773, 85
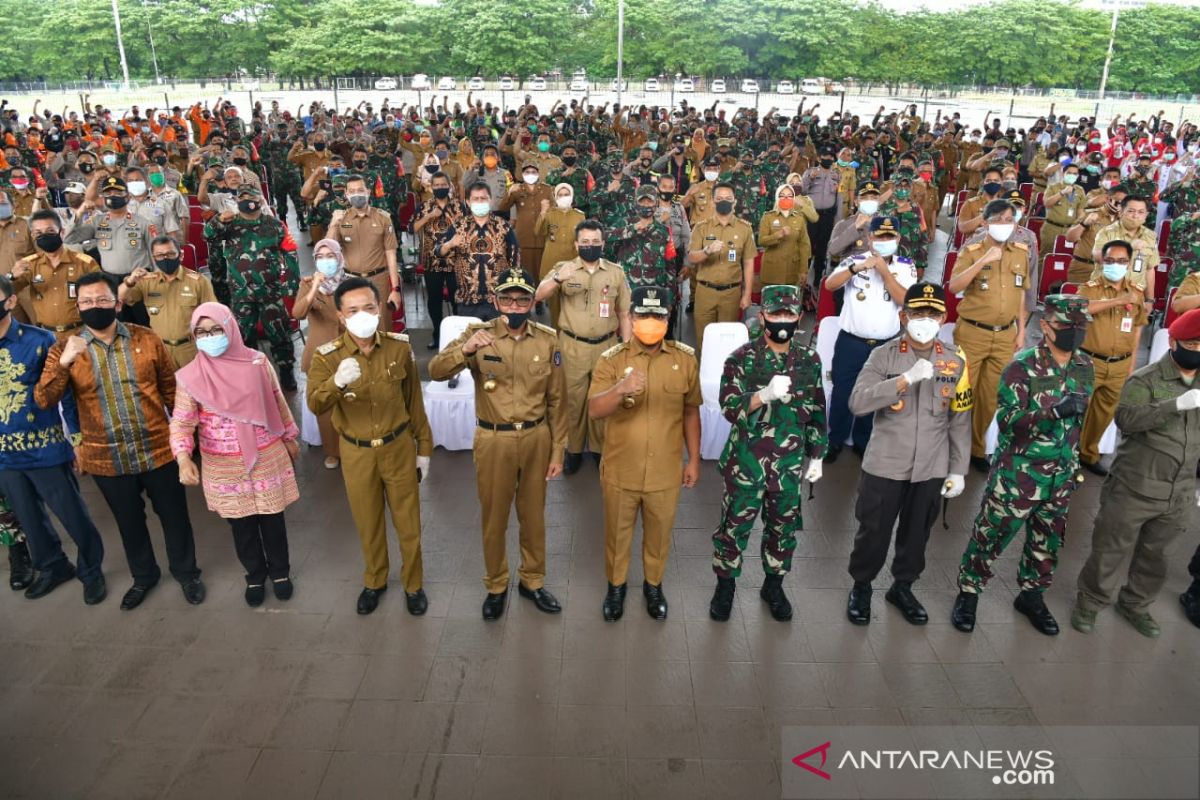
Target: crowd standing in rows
118, 359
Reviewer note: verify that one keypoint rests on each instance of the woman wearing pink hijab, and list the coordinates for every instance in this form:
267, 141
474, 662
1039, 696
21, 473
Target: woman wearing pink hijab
248, 439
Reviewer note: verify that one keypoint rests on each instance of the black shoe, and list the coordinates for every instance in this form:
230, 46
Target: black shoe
962, 616
772, 594
832, 454
416, 602
690, 308
368, 599
656, 603
1095, 467
1032, 605
136, 594
858, 604
597, 457
858, 451
283, 589
572, 462
545, 602
614, 602
721, 605
981, 464
287, 379
255, 594
1190, 600
20, 566
901, 596
95, 592
194, 591
46, 582
493, 605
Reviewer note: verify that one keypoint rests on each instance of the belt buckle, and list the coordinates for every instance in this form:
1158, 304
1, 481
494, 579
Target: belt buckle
518, 426
377, 443
872, 342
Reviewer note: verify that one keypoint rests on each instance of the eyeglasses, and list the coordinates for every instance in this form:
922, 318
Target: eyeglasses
514, 302
1133, 212
97, 302
207, 333
1122, 262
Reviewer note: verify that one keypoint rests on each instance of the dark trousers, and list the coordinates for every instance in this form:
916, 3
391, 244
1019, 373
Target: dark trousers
123, 493
30, 491
262, 547
819, 233
1194, 567
435, 284
880, 503
849, 355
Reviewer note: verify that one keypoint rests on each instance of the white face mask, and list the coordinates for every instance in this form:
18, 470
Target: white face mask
868, 206
1001, 231
137, 188
886, 247
363, 325
711, 175
922, 331
563, 202
530, 177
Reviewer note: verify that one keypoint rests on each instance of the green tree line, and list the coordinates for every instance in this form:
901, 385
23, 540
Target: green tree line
1011, 43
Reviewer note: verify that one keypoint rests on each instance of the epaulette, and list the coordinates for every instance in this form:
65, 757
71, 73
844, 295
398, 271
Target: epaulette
399, 337
194, 276
474, 326
328, 347
1093, 283
612, 351
1021, 245
684, 348
544, 328
975, 246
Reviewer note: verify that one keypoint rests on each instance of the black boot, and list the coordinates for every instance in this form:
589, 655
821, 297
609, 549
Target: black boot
1190, 600
722, 600
901, 596
287, 379
962, 616
776, 600
614, 602
1033, 606
858, 605
20, 566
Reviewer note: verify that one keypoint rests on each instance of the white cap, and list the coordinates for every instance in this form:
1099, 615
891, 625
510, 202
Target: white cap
75, 187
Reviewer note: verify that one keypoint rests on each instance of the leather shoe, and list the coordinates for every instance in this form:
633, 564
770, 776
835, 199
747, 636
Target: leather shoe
858, 604
255, 594
1032, 605
901, 596
194, 592
772, 594
858, 451
20, 566
962, 616
46, 582
1190, 600
493, 605
571, 463
136, 594
545, 602
614, 602
1095, 467
416, 602
283, 589
597, 457
721, 605
656, 603
981, 464
831, 455
95, 592
287, 380
368, 599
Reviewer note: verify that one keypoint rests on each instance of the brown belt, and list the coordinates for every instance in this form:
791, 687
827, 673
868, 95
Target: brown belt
992, 328
510, 426
591, 340
370, 274
1106, 359
380, 442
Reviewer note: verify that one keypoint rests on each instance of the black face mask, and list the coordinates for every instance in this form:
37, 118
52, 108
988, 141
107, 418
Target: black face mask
360, 164
570, 161
780, 332
160, 160
724, 207
86, 167
318, 146
49, 242
645, 163
1069, 339
591, 252
98, 318
441, 192
826, 162
992, 187
666, 196
168, 265
241, 162
115, 201
516, 319
645, 212
432, 169
1186, 359
247, 206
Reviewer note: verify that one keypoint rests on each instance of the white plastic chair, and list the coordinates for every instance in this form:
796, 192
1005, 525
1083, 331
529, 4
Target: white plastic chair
451, 412
1159, 345
720, 340
827, 336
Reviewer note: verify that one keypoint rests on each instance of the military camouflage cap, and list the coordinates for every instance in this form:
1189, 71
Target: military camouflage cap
1067, 309
780, 297
1003, 143
651, 300
249, 190
516, 279
339, 180
644, 191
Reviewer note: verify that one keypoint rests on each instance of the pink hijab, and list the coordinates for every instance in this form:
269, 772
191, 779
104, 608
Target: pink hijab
234, 385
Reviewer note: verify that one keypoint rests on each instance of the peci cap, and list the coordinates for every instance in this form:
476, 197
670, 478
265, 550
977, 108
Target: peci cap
516, 279
651, 300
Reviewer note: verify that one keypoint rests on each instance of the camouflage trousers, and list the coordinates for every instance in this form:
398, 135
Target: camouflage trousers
781, 520
10, 529
218, 273
280, 194
1004, 514
271, 317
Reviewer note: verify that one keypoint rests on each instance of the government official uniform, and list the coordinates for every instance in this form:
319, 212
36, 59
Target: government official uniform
1144, 264
527, 200
52, 288
366, 236
170, 300
1067, 206
1082, 263
719, 277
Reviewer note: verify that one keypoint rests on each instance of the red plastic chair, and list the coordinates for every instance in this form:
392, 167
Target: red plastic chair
1054, 273
200, 244
951, 304
1038, 206
1069, 288
192, 200
188, 255
1170, 314
1061, 245
1035, 224
825, 304
963, 194
1026, 190
196, 214
959, 237
1164, 237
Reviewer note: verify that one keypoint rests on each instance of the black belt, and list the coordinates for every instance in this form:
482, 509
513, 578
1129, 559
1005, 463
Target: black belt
1084, 260
176, 342
1106, 359
719, 287
992, 328
380, 442
592, 340
63, 328
370, 274
510, 426
872, 342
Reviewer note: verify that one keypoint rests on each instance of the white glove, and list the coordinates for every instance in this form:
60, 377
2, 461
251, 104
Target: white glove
920, 371
954, 486
777, 389
347, 373
1188, 401
422, 468
813, 473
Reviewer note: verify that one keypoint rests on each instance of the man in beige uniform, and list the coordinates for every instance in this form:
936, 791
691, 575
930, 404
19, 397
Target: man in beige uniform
50, 274
699, 204
527, 197
722, 256
1130, 228
992, 276
368, 241
16, 242
1065, 205
1083, 233
171, 295
520, 402
594, 308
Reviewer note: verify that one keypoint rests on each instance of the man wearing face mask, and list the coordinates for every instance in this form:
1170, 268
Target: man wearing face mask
992, 275
1083, 233
51, 275
1130, 227
915, 230
821, 184
171, 294
1042, 398
432, 220
310, 153
722, 254
850, 235
1142, 182
480, 247
520, 399
643, 245
771, 394
369, 380
1065, 205
368, 241
490, 172
163, 219
522, 204
1148, 499
122, 238
573, 175
920, 396
970, 218
165, 203
647, 391
16, 242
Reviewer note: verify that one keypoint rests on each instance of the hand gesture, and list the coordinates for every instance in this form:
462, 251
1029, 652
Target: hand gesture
74, 348
348, 371
691, 473
993, 255
922, 370
1072, 404
633, 383
189, 474
714, 247
545, 205
776, 389
614, 185
814, 471
136, 276
480, 338
785, 231
434, 212
953, 486
226, 216
567, 270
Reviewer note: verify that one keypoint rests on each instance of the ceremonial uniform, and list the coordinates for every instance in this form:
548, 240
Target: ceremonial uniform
785, 259
170, 301
52, 288
719, 276
1143, 265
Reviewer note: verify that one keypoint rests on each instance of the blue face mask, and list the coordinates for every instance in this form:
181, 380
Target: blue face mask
327, 266
213, 346
1114, 272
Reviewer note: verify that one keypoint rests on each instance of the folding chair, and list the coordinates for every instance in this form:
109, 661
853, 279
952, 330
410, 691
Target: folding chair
720, 340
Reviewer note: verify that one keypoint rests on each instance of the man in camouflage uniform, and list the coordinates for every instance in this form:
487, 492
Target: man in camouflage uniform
612, 198
771, 394
1183, 244
748, 188
914, 238
263, 270
574, 176
1044, 393
643, 246
1142, 185
285, 176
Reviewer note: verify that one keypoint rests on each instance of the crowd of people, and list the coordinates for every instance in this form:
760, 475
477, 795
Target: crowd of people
146, 256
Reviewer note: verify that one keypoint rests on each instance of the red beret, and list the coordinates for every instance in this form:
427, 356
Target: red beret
1186, 327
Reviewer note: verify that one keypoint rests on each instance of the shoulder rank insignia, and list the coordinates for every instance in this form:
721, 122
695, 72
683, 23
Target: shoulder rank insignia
328, 347
612, 351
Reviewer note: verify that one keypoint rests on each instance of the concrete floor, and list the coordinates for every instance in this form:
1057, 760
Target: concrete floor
306, 699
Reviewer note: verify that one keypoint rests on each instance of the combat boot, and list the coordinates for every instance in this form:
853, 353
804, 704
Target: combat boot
962, 616
722, 600
858, 605
772, 594
901, 596
1033, 606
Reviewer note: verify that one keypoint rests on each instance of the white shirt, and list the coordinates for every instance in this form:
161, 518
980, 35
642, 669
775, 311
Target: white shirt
877, 314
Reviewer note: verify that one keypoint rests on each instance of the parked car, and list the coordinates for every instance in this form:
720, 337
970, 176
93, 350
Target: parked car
651, 85
685, 85
386, 83
447, 84
579, 84
475, 84
420, 82
812, 86
717, 86
785, 87
507, 84
623, 88
537, 84
749, 86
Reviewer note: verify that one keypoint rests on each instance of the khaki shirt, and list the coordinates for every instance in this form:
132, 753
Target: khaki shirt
1087, 239
528, 201
643, 444
52, 289
385, 397
170, 301
365, 236
1190, 286
517, 380
1149, 254
309, 160
994, 296
973, 207
699, 202
123, 242
591, 301
725, 267
1070, 207
1113, 331
16, 242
